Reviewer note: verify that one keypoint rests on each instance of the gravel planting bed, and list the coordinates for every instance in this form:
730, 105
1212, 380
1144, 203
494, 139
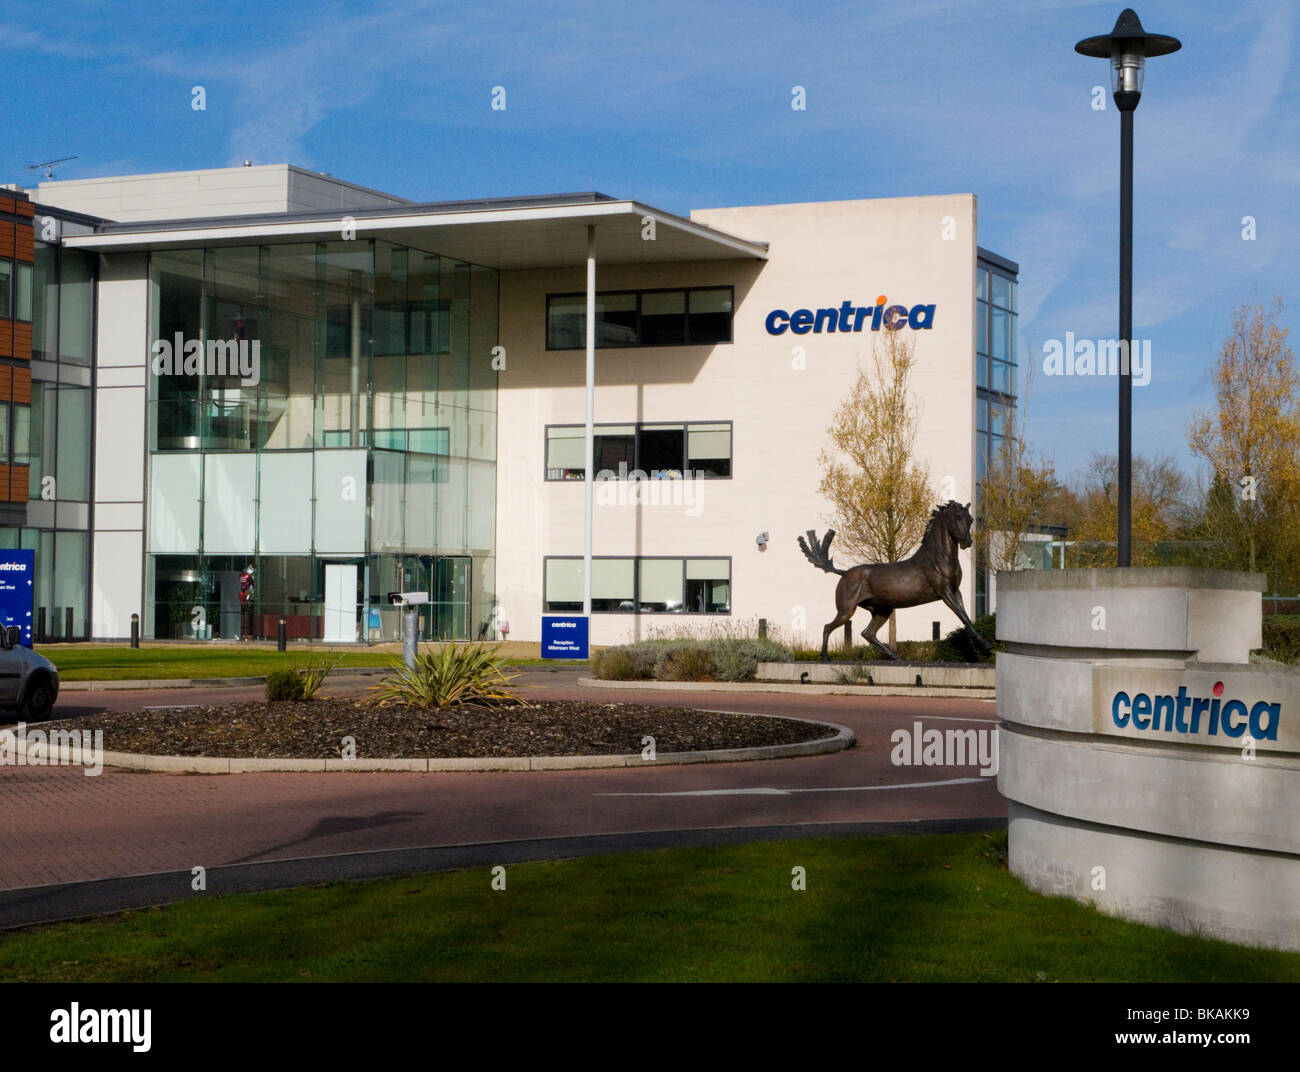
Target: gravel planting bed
315, 729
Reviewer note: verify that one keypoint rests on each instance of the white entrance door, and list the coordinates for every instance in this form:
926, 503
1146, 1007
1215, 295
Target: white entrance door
340, 602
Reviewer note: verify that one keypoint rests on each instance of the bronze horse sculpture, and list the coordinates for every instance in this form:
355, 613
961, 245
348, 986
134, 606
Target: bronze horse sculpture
933, 572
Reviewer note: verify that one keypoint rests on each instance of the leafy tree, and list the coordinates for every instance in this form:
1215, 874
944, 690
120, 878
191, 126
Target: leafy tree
1018, 491
880, 494
1252, 442
1159, 509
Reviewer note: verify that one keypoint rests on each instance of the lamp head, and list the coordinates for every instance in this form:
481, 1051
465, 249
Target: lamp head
1127, 47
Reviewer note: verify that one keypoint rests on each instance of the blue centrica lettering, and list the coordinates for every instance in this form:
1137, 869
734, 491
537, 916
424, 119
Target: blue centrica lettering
1169, 714
849, 317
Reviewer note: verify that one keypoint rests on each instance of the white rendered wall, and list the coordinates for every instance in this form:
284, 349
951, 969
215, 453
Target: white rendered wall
122, 350
821, 255
176, 195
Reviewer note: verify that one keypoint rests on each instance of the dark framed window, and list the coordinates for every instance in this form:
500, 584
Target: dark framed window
653, 584
6, 289
23, 292
658, 450
685, 316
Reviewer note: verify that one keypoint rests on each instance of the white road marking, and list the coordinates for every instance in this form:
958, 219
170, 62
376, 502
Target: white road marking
787, 792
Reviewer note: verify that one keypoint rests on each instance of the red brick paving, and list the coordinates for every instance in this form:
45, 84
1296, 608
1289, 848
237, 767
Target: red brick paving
60, 826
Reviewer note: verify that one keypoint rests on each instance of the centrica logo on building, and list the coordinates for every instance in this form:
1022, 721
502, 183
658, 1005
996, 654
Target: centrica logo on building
849, 317
1183, 713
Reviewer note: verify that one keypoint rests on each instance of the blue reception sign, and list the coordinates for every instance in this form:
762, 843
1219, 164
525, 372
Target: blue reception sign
17, 574
564, 637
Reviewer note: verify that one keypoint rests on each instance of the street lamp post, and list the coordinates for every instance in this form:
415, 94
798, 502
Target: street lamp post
1127, 46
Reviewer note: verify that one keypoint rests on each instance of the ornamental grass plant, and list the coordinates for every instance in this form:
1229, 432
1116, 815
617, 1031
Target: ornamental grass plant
449, 677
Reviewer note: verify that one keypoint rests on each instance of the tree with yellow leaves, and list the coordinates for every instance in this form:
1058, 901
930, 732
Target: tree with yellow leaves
1018, 490
1252, 442
1159, 510
881, 496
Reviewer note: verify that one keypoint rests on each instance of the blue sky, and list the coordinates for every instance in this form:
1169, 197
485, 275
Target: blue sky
687, 105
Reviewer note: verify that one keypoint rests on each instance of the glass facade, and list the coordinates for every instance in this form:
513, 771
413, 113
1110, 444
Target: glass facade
51, 435
995, 378
360, 459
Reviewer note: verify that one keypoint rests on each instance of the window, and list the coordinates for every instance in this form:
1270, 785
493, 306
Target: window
655, 450
76, 308
708, 586
696, 316
6, 289
639, 585
23, 293
660, 449
708, 449
663, 318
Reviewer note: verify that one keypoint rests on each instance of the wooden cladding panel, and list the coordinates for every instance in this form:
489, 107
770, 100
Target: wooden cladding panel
13, 483
22, 389
7, 230
25, 244
22, 341
6, 338
19, 477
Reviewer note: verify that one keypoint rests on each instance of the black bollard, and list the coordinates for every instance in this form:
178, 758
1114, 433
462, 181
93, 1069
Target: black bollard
934, 630
281, 635
40, 626
762, 628
67, 623
135, 630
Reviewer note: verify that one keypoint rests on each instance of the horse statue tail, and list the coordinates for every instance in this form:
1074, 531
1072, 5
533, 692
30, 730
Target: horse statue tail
818, 551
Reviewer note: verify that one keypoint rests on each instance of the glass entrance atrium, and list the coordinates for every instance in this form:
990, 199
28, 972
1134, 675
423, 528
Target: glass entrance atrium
358, 459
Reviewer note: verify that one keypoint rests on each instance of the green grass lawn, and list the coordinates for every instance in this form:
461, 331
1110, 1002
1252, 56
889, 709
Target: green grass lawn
77, 662
915, 908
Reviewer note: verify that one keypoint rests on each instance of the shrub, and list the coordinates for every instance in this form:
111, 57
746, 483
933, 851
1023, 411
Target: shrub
314, 673
685, 664
1282, 637
452, 676
284, 684
615, 664
957, 646
738, 659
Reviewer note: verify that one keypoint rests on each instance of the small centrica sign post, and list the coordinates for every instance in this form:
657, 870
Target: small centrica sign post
564, 637
17, 577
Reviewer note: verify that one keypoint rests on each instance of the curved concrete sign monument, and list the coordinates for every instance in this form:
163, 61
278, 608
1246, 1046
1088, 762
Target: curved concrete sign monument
1149, 768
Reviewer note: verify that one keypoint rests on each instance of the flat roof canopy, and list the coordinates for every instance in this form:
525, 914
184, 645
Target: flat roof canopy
538, 232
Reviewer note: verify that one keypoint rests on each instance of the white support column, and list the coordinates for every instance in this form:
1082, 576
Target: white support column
589, 477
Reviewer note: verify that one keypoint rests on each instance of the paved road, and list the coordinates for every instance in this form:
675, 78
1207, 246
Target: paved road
62, 827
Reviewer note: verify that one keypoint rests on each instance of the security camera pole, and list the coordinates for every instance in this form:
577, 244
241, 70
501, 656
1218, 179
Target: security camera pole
1127, 47
410, 603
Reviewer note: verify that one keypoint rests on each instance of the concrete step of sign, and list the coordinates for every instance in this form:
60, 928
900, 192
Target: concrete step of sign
919, 675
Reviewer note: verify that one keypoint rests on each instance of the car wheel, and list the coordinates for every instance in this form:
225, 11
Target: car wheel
38, 702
